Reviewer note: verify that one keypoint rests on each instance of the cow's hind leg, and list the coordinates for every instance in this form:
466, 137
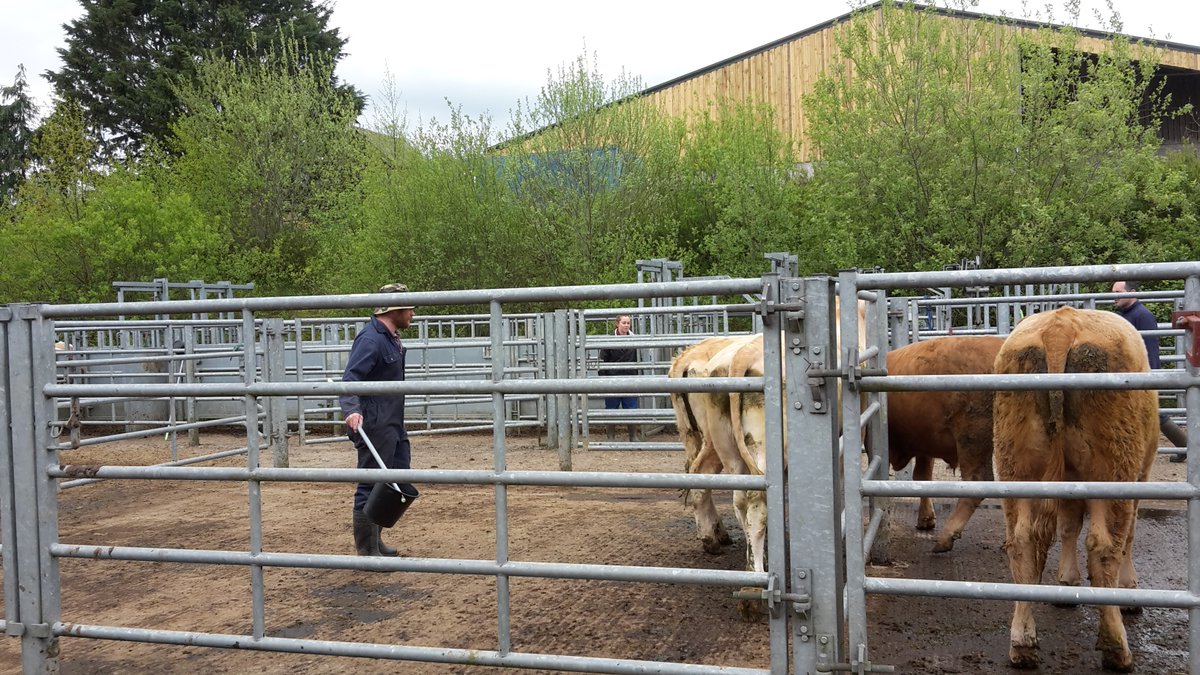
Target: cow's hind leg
1030, 530
923, 470
754, 508
974, 468
1070, 524
709, 528
1111, 524
1127, 576
964, 508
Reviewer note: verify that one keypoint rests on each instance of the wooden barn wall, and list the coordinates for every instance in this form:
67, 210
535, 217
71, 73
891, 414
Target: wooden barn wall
783, 75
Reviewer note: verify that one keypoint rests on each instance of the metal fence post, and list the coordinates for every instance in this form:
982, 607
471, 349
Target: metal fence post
773, 389
1191, 301
30, 495
189, 377
815, 501
562, 356
276, 406
550, 371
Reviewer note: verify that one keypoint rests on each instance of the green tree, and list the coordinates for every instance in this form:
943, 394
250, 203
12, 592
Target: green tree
77, 226
124, 58
586, 180
18, 115
738, 194
266, 144
944, 139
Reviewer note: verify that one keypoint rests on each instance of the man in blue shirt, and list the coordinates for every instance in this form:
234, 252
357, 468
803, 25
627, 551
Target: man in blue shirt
1141, 318
377, 356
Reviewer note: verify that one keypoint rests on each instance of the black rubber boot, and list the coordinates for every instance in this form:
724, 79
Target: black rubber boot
366, 535
1177, 436
384, 549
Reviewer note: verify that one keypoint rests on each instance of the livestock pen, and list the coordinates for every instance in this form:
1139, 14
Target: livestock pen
530, 552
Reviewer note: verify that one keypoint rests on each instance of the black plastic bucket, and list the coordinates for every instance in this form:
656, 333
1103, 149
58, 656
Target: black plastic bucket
385, 505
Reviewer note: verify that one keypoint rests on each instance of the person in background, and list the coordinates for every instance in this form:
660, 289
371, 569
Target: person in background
377, 355
621, 355
1142, 319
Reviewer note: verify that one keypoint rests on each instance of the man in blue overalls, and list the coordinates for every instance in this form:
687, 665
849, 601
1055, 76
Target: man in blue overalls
1142, 319
377, 356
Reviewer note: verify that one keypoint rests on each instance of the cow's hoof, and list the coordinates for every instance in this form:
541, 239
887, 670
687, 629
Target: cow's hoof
711, 545
1023, 656
943, 546
1115, 654
926, 523
751, 610
724, 538
1119, 660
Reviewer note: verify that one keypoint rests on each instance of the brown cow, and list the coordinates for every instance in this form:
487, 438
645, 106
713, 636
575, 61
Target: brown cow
1073, 435
953, 426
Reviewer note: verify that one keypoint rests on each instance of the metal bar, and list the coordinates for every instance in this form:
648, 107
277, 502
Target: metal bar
1025, 489
98, 440
168, 358
1083, 273
436, 476
471, 657
1159, 379
1083, 595
182, 462
562, 294
638, 385
546, 570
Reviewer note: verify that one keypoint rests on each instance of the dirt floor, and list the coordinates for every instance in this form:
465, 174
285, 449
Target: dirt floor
697, 624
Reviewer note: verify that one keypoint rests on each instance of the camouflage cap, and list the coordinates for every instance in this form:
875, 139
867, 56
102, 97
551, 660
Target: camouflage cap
392, 288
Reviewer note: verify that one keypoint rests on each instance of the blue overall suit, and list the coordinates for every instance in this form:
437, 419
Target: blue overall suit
377, 357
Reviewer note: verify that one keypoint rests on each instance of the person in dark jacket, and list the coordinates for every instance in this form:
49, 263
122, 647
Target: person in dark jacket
1142, 319
621, 355
377, 355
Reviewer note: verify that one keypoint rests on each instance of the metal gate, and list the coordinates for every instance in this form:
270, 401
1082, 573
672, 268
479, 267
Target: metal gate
31, 472
862, 491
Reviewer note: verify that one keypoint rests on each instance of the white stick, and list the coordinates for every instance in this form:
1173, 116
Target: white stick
375, 453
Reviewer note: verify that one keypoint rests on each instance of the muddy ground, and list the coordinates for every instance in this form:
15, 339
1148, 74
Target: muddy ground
697, 624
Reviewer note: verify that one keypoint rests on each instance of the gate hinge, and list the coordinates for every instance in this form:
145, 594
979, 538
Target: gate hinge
37, 630
1189, 321
861, 666
816, 382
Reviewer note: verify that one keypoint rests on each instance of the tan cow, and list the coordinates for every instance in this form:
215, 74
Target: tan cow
953, 426
738, 432
699, 456
1073, 435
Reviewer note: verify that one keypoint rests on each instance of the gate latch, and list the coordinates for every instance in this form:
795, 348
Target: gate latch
1189, 321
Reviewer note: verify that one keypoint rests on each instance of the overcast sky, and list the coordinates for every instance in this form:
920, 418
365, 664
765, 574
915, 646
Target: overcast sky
487, 55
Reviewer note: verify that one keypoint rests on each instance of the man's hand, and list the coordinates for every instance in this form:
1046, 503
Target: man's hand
354, 421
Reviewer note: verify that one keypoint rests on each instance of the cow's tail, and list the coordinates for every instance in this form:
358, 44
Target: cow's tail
737, 401
685, 423
1057, 345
